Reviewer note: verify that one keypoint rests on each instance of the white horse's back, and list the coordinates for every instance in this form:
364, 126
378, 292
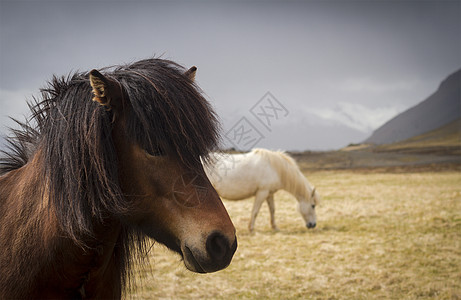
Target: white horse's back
240, 176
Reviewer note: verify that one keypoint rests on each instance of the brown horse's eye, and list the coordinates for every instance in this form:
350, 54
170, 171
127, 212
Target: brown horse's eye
313, 206
155, 151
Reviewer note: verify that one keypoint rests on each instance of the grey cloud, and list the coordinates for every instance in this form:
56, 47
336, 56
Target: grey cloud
373, 55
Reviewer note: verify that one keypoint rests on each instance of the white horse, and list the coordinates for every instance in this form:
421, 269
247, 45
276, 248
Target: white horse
261, 173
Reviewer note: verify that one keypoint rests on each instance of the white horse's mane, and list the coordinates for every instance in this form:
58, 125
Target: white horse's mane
292, 179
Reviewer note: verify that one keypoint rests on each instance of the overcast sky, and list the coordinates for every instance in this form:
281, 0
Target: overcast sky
339, 69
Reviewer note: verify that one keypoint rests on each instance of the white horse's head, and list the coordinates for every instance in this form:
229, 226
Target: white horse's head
307, 208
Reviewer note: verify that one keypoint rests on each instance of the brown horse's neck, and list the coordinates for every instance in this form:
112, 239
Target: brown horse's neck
102, 271
91, 272
56, 266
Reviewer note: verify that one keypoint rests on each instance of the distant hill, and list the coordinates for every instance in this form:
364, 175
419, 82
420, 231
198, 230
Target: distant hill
441, 108
436, 150
445, 140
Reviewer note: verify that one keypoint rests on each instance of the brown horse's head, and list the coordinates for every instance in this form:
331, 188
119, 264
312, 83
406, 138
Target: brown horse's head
159, 135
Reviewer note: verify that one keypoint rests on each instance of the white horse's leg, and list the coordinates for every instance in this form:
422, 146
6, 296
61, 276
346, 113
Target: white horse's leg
270, 202
259, 199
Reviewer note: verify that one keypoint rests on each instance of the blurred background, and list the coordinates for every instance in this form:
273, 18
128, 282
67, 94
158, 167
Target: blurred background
377, 82
339, 69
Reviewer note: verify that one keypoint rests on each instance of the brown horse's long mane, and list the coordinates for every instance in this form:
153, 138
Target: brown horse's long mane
73, 135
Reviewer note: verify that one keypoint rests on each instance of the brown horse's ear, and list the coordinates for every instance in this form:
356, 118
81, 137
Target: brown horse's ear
105, 90
191, 73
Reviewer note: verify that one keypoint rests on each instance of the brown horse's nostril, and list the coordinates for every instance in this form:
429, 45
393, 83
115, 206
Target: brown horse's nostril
217, 246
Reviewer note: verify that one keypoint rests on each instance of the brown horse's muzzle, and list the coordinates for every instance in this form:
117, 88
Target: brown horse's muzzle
218, 254
206, 233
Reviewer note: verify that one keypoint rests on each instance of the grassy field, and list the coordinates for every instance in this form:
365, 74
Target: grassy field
379, 236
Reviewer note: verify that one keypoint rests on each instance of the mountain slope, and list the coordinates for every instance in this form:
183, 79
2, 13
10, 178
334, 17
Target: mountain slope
445, 140
441, 108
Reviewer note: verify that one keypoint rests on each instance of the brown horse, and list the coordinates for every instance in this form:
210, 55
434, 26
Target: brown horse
84, 182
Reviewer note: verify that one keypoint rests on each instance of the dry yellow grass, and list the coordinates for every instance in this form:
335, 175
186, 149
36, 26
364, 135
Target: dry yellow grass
388, 236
